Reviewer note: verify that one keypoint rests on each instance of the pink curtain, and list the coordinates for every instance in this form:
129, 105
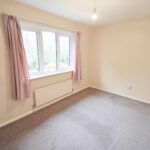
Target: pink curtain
77, 68
19, 67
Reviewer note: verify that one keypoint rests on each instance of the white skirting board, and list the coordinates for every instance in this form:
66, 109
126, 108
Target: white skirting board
131, 98
16, 118
36, 109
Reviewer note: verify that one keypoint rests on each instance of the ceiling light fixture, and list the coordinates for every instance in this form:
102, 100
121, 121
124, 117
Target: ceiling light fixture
94, 15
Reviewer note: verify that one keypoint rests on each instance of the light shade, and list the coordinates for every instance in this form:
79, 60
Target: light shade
94, 16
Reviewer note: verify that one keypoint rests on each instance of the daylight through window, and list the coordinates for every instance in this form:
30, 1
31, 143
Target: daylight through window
47, 50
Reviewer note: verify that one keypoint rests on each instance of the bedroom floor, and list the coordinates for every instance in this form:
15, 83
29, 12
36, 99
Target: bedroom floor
89, 120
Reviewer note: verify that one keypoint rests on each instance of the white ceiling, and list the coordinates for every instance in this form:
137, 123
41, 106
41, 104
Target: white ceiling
109, 11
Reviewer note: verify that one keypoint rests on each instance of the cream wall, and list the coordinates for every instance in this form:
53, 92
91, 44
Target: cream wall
115, 58
10, 109
120, 58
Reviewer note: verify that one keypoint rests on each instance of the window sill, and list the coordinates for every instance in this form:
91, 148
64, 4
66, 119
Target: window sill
48, 75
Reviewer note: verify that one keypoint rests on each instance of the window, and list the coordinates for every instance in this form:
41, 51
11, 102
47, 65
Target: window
31, 50
64, 43
47, 50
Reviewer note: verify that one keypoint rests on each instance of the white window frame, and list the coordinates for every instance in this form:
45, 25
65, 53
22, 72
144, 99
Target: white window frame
38, 29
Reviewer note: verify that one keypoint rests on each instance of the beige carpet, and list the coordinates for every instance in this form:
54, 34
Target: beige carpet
89, 120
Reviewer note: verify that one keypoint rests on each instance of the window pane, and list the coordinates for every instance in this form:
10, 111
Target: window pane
49, 46
30, 43
64, 52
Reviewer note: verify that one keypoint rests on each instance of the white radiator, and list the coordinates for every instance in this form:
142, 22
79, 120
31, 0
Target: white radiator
52, 92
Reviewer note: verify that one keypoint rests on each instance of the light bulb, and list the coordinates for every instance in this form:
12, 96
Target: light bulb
94, 16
